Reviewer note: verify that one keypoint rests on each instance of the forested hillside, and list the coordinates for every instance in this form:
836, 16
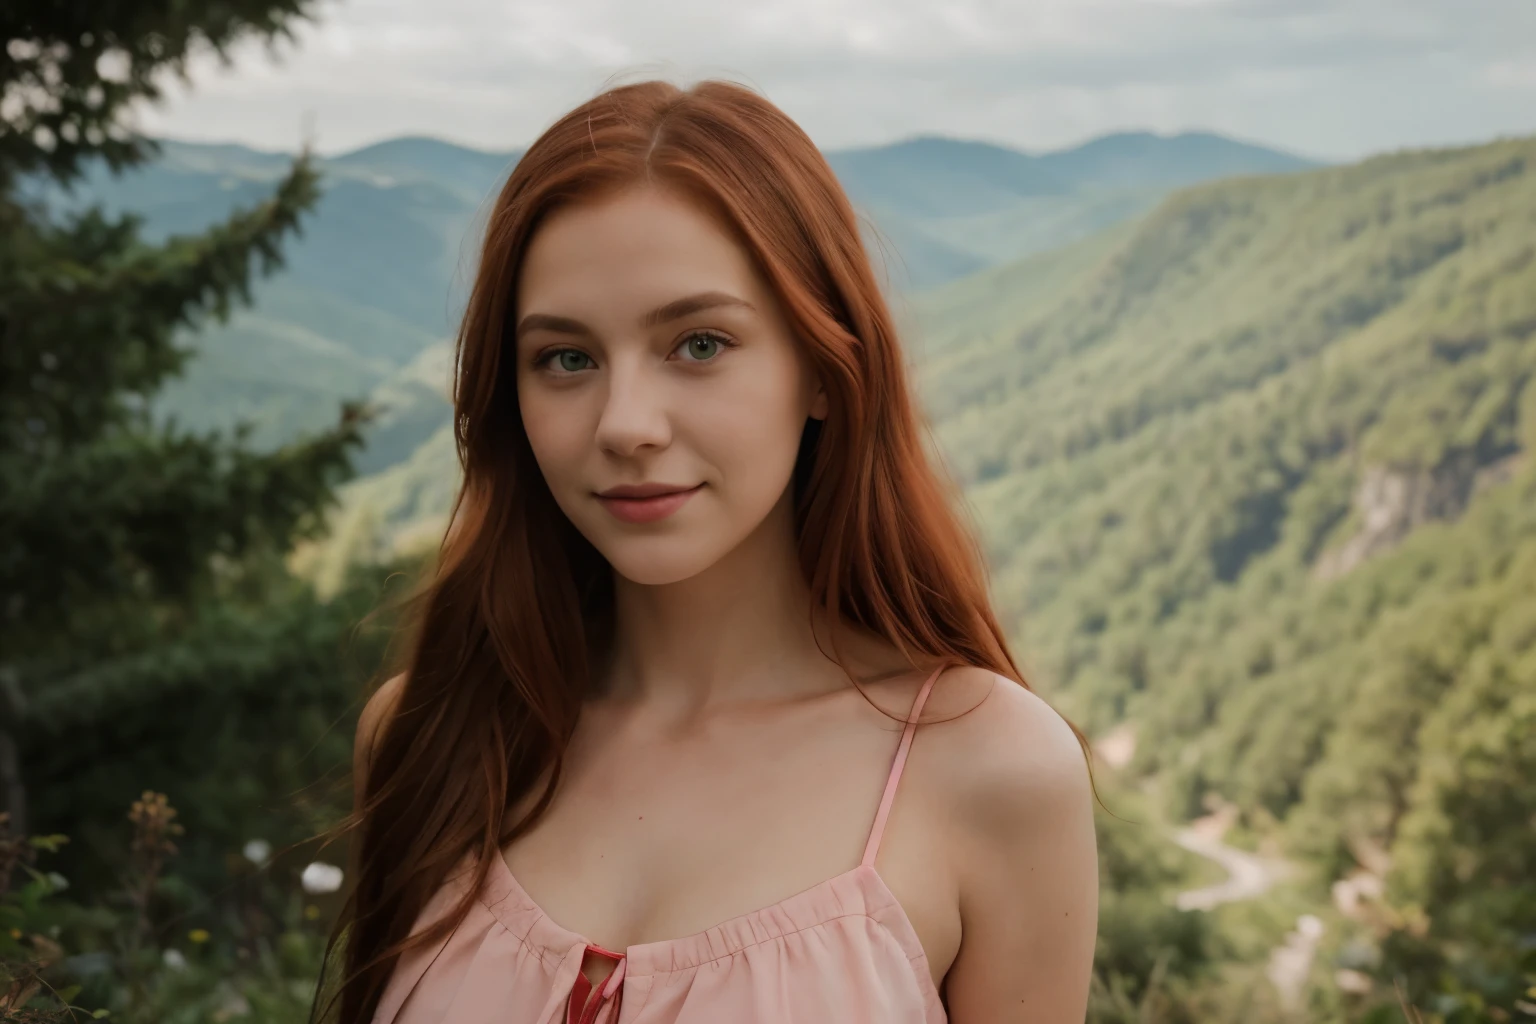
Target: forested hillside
1256, 478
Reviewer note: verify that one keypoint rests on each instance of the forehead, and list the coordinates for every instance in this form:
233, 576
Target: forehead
639, 248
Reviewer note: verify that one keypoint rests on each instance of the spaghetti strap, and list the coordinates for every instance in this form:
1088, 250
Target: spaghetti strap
877, 830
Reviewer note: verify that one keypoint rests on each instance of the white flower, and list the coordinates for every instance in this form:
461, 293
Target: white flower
174, 960
319, 877
257, 851
58, 881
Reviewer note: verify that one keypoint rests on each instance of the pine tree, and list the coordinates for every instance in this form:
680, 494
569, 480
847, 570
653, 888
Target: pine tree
129, 548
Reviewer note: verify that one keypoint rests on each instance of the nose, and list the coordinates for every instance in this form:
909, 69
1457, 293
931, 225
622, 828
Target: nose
635, 414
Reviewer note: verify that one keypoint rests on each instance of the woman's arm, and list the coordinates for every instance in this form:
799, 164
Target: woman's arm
1028, 869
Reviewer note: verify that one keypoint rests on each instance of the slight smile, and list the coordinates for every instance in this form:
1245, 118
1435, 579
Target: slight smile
645, 503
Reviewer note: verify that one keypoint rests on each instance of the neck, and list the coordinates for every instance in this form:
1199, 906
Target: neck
739, 631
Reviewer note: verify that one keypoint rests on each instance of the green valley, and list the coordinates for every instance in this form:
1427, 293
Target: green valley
1255, 476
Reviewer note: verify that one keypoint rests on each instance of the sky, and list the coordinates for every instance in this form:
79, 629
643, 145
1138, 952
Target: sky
1330, 79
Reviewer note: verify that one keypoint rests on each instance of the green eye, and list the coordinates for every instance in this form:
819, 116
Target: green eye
572, 361
702, 347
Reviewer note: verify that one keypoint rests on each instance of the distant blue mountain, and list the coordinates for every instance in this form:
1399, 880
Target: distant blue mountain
1139, 159
934, 176
418, 157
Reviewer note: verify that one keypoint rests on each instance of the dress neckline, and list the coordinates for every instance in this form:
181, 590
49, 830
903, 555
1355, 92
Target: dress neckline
858, 891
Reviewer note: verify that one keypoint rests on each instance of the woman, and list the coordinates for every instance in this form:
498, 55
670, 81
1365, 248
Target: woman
702, 584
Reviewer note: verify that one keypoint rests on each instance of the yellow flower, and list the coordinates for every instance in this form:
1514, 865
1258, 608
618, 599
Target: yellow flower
198, 935
15, 933
311, 912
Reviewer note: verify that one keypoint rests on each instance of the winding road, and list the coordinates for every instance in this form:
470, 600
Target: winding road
1249, 875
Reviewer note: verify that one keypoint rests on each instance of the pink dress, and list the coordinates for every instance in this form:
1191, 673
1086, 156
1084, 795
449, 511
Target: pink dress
842, 950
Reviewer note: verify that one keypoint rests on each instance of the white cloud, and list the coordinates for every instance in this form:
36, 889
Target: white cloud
1514, 74
1333, 77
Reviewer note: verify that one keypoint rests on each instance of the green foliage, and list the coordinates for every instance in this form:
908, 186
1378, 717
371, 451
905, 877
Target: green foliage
72, 70
1154, 963
99, 506
243, 717
1162, 457
1465, 861
1260, 482
1143, 938
115, 532
123, 952
150, 632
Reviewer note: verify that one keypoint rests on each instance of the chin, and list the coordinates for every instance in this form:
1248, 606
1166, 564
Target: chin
659, 562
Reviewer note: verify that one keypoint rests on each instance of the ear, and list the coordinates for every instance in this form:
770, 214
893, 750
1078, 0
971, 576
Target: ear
819, 403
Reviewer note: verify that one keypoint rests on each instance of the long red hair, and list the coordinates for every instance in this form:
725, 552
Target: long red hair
497, 657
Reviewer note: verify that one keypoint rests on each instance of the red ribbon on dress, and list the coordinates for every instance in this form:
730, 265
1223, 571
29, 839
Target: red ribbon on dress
586, 1002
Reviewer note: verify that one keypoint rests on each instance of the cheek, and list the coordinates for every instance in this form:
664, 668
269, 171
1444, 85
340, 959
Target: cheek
750, 431
554, 434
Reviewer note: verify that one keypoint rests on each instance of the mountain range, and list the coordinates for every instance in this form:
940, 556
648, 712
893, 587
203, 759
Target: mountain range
383, 265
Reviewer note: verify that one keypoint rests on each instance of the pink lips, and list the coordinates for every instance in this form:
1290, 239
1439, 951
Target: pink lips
645, 503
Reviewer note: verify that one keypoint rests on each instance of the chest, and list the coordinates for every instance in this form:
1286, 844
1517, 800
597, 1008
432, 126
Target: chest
655, 836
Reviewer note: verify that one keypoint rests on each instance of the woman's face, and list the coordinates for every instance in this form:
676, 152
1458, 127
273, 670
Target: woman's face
662, 391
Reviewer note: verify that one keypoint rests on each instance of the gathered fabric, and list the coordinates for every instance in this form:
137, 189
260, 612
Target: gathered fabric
842, 950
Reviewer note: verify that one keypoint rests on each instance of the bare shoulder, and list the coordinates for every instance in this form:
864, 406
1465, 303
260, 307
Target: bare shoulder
1003, 756
1014, 781
379, 709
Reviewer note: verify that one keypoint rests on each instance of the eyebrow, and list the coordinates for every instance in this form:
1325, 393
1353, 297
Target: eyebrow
674, 310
